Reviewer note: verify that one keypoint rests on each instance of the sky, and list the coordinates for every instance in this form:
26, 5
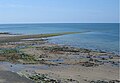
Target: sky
59, 11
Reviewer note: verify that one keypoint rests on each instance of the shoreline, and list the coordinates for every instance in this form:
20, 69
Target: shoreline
10, 37
64, 63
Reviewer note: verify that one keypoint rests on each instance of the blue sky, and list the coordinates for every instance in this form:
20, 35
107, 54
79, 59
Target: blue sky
59, 11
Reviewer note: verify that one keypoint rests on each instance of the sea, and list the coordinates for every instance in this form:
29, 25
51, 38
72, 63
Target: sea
95, 36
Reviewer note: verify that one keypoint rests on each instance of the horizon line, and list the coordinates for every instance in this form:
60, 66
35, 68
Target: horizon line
63, 23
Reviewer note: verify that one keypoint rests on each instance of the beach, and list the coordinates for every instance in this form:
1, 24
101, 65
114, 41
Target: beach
59, 41
33, 59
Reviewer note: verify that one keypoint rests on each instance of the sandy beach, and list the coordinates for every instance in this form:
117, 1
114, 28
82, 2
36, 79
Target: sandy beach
38, 61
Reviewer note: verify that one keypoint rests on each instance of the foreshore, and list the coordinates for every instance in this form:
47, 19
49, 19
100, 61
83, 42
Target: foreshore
38, 61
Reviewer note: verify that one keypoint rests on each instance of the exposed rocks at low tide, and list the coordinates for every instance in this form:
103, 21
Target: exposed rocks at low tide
65, 64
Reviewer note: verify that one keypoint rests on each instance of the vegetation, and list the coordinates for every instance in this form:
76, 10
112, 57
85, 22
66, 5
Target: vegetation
14, 55
42, 78
18, 38
65, 48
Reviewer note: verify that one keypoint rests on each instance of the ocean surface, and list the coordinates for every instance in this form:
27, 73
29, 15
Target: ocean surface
99, 36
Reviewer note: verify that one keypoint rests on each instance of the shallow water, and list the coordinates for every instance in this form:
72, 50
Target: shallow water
103, 36
57, 60
19, 67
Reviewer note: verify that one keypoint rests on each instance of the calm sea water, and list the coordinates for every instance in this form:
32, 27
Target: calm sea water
101, 36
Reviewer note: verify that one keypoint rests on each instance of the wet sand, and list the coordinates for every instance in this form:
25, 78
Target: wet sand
11, 77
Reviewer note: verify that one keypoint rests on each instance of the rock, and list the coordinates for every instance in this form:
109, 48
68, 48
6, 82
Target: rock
89, 64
